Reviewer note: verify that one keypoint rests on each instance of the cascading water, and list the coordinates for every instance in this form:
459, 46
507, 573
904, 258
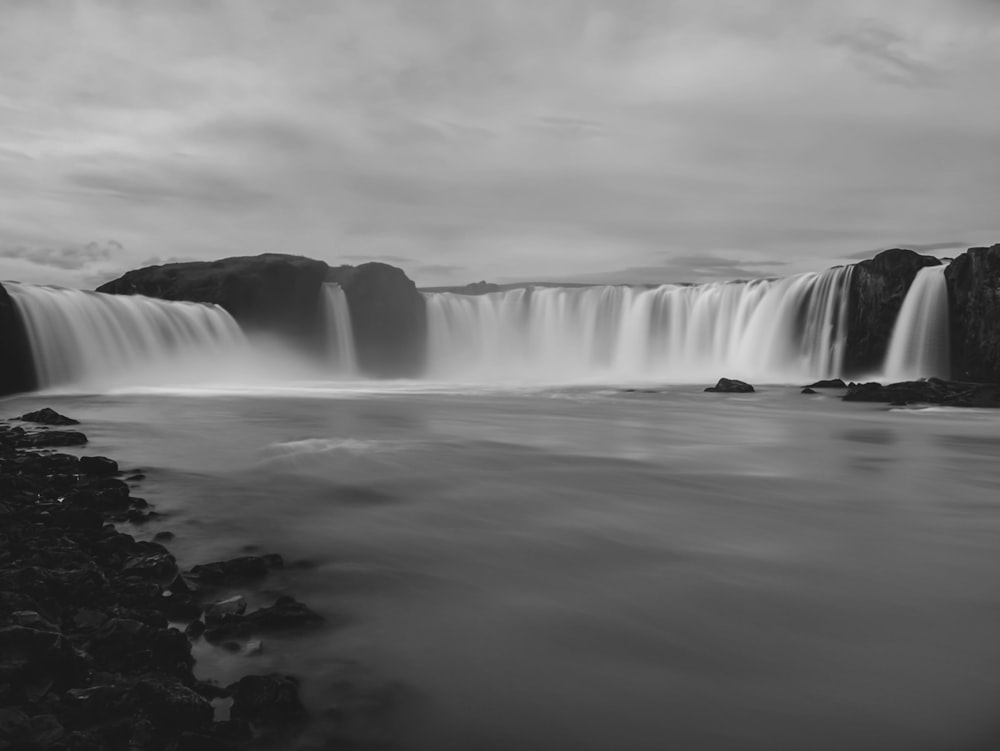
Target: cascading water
920, 341
781, 330
82, 337
340, 336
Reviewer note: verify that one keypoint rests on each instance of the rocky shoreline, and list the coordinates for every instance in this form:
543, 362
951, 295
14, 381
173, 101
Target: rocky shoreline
96, 627
925, 391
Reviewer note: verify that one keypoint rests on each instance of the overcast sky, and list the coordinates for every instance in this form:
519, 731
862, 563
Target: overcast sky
619, 140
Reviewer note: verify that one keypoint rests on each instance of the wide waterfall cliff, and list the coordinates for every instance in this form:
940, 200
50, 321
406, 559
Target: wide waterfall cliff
79, 337
778, 330
899, 315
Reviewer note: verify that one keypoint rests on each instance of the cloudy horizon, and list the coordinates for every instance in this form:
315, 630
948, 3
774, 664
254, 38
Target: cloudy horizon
566, 140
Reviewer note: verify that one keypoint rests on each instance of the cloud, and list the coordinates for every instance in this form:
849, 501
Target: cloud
437, 270
495, 139
887, 56
67, 258
682, 269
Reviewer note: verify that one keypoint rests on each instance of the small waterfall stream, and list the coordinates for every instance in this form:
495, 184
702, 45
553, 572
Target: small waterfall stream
339, 331
919, 347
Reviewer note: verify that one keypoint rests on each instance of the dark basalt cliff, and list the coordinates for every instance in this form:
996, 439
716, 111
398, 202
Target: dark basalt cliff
878, 287
974, 307
388, 315
281, 294
17, 371
272, 293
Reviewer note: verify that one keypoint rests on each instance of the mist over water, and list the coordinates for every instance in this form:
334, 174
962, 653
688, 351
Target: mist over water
580, 568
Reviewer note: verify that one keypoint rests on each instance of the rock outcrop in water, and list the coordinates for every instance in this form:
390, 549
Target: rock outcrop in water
973, 280
929, 391
281, 294
731, 386
17, 370
878, 287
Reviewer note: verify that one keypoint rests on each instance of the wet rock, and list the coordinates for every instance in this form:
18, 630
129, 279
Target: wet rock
46, 731
731, 386
834, 383
287, 614
52, 438
157, 565
35, 661
233, 606
195, 629
237, 570
171, 704
128, 645
929, 391
48, 416
808, 390
15, 728
266, 699
163, 537
98, 466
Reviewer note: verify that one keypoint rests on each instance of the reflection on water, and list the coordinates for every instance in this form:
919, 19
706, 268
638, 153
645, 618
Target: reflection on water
591, 570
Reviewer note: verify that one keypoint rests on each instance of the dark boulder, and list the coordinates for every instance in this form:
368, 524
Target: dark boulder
388, 316
18, 370
130, 646
237, 570
266, 699
808, 390
973, 281
835, 383
287, 614
272, 292
98, 466
170, 704
878, 287
52, 438
233, 606
731, 386
48, 416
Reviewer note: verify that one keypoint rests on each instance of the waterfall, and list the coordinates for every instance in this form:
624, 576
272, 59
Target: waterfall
89, 337
780, 330
339, 334
919, 347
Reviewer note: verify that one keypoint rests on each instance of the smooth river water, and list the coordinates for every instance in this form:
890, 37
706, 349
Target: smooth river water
580, 568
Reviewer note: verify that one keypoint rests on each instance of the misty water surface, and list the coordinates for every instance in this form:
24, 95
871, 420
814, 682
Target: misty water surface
582, 568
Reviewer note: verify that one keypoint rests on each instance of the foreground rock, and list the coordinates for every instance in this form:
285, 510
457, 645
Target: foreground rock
88, 660
731, 386
930, 391
48, 416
